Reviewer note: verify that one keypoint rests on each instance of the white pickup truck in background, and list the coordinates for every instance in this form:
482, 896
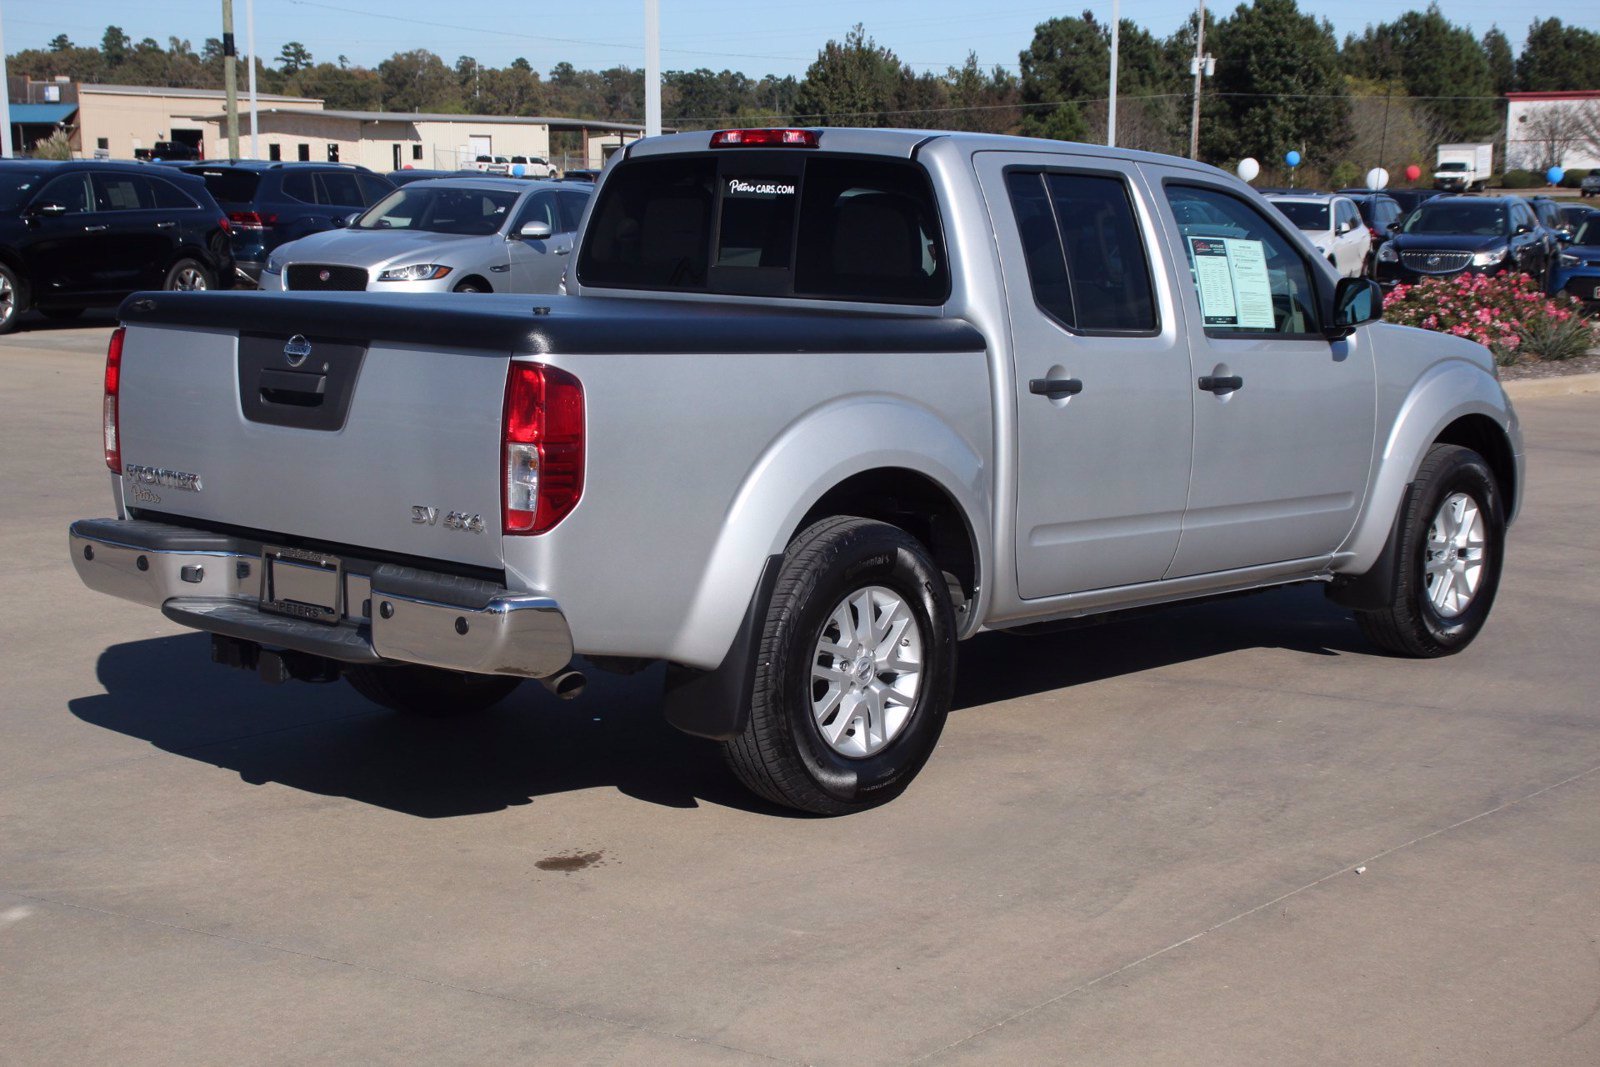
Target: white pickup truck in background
821, 405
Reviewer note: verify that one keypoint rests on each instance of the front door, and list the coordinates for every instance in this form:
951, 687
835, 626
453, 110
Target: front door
1283, 417
62, 237
537, 263
1101, 365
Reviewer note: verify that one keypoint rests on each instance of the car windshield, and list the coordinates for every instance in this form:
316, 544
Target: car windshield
1476, 217
1452, 166
441, 209
1588, 231
17, 188
1305, 215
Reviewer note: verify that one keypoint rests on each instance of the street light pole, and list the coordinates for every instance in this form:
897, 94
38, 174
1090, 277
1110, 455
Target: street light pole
1116, 40
652, 68
1199, 72
5, 105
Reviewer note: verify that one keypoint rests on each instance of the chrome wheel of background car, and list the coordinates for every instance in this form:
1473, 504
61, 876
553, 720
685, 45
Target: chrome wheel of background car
865, 671
190, 279
8, 300
1452, 562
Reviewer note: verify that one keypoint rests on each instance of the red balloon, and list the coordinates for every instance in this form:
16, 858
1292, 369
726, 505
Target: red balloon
1413, 172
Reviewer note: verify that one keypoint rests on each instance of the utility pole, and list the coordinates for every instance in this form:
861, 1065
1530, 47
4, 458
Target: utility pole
5, 105
1198, 67
250, 47
1116, 40
230, 78
652, 68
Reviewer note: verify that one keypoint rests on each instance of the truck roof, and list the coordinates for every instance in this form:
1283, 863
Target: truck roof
904, 143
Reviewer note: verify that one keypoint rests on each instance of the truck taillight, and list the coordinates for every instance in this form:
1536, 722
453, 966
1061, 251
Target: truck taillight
109, 411
543, 447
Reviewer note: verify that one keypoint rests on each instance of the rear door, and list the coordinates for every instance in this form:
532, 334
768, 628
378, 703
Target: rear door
1283, 418
1101, 365
137, 241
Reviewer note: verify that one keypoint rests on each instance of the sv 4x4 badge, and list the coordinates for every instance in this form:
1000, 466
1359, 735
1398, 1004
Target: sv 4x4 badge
453, 520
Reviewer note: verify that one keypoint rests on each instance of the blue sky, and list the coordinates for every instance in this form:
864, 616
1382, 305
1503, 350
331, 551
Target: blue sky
757, 38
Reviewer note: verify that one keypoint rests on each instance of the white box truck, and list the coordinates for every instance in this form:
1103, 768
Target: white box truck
1464, 167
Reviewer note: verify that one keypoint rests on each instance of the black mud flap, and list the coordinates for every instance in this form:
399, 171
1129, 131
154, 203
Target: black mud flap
1375, 588
716, 703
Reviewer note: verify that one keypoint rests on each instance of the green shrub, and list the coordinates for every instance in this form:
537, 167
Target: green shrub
1520, 179
1346, 175
1547, 338
56, 146
1572, 179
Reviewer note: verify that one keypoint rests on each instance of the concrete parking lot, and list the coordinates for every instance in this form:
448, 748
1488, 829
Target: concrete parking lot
1227, 834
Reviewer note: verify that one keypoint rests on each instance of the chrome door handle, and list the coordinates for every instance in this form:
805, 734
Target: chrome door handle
96, 229
1055, 388
564, 251
165, 225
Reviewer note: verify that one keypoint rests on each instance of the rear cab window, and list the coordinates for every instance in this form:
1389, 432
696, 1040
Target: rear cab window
769, 223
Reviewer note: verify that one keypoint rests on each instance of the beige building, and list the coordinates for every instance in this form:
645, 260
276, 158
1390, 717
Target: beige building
118, 120
392, 140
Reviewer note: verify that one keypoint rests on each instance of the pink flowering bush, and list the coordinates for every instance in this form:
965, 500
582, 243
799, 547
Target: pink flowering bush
1506, 313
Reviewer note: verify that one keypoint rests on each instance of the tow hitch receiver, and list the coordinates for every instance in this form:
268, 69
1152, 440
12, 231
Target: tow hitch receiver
274, 667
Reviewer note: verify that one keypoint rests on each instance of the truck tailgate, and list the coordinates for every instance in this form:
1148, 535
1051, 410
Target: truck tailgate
373, 443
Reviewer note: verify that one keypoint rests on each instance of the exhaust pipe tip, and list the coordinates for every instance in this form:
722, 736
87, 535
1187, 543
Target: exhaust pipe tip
566, 685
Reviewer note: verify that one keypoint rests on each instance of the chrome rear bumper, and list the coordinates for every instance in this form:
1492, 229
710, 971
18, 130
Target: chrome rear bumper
212, 582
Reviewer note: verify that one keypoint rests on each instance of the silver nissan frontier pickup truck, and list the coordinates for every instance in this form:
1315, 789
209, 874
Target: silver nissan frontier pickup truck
818, 405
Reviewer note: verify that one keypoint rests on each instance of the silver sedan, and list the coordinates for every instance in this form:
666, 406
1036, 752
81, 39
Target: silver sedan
462, 235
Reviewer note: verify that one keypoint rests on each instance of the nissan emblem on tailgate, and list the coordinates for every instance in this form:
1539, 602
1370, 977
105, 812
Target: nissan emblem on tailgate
297, 350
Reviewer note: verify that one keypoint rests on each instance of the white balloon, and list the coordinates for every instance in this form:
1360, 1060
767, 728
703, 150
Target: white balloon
1249, 169
1377, 178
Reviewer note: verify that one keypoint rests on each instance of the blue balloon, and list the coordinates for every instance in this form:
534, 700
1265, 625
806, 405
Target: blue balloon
518, 170
1292, 158
1554, 175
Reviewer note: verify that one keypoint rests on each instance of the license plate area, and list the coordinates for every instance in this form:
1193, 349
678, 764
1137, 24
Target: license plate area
306, 585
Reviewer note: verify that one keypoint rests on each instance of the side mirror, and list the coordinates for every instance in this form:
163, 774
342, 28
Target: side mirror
538, 230
1564, 236
348, 220
1393, 227
1524, 228
1356, 301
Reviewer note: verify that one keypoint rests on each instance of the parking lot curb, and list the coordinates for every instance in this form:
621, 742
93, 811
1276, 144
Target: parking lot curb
1565, 385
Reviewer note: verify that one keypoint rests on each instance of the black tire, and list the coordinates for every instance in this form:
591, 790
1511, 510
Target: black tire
190, 274
782, 754
428, 691
470, 286
61, 314
13, 299
1410, 624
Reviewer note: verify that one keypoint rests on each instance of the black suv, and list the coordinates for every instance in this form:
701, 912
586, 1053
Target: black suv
269, 204
87, 233
1479, 234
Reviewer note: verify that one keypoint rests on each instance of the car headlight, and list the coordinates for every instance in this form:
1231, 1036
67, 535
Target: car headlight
274, 266
1387, 254
417, 272
1570, 260
1489, 258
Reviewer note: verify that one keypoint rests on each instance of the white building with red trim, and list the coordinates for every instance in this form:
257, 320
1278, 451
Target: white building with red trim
1553, 129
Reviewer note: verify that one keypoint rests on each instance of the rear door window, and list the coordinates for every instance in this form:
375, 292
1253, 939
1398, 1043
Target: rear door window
373, 188
769, 223
300, 186
572, 208
1086, 258
122, 192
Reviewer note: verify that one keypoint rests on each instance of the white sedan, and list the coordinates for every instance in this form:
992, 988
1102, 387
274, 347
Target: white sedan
1333, 223
460, 235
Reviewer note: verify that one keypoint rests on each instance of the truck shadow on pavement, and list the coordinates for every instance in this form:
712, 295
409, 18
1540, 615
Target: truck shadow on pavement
326, 739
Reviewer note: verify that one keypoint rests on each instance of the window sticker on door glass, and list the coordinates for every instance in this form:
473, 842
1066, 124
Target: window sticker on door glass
1235, 288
